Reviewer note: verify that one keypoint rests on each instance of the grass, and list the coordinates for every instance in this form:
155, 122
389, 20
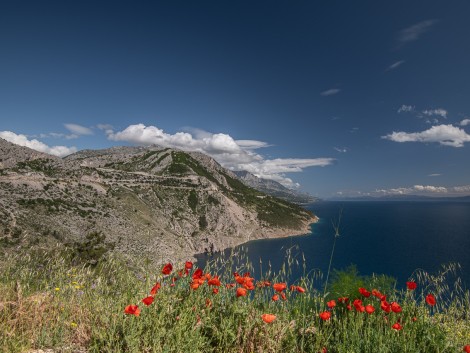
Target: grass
48, 301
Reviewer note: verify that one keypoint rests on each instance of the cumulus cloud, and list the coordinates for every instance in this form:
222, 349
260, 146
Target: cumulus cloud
414, 32
37, 145
465, 122
78, 129
395, 65
406, 109
330, 92
232, 154
447, 135
436, 112
416, 189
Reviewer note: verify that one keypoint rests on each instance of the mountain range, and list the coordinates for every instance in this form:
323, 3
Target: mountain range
151, 202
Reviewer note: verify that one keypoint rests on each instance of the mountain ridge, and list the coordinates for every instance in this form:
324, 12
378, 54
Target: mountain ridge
149, 201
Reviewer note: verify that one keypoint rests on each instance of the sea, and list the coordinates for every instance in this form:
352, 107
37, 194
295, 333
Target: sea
395, 238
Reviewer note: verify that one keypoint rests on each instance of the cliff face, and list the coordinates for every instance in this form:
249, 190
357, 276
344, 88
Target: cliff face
150, 202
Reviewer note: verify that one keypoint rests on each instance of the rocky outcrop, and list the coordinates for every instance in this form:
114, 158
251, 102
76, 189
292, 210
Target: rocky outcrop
152, 202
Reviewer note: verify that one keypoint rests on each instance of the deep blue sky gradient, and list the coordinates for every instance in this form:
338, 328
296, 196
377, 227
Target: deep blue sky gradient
252, 70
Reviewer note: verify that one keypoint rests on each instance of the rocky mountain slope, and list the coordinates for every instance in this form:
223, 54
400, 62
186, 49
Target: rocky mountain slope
151, 202
273, 188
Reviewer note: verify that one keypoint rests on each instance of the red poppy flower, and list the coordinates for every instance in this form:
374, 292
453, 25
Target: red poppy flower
431, 300
300, 289
283, 296
414, 319
215, 290
268, 318
188, 265
229, 285
324, 350
275, 298
397, 326
343, 300
385, 306
331, 304
214, 281
349, 307
167, 269
376, 293
279, 287
197, 273
357, 304
364, 292
241, 292
369, 309
208, 303
396, 308
147, 301
155, 289
326, 315
466, 348
411, 285
132, 310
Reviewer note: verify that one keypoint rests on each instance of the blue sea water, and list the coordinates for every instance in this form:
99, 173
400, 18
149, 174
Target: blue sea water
393, 238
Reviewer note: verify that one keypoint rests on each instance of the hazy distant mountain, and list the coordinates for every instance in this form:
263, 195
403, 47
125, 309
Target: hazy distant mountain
274, 188
151, 201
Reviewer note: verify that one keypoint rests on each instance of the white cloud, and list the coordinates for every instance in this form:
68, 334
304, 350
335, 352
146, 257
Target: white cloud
434, 175
34, 144
433, 112
341, 150
406, 109
415, 31
462, 189
232, 154
447, 135
395, 65
330, 92
78, 129
465, 122
416, 189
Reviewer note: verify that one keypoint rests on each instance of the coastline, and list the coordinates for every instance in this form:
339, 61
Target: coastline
224, 243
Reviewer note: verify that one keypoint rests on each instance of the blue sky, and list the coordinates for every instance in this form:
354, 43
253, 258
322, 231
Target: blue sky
335, 98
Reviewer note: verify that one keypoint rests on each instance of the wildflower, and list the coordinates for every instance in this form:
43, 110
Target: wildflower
57, 289
431, 300
167, 269
357, 304
376, 293
325, 316
279, 287
467, 348
73, 324
364, 292
148, 300
397, 326
396, 308
132, 310
241, 292
275, 298
411, 285
414, 319
197, 273
188, 265
300, 289
331, 304
385, 306
343, 300
324, 350
215, 290
268, 318
283, 296
369, 309
208, 303
155, 288
214, 281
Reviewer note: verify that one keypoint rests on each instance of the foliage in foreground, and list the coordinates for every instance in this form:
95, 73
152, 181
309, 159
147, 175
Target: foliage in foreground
46, 302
